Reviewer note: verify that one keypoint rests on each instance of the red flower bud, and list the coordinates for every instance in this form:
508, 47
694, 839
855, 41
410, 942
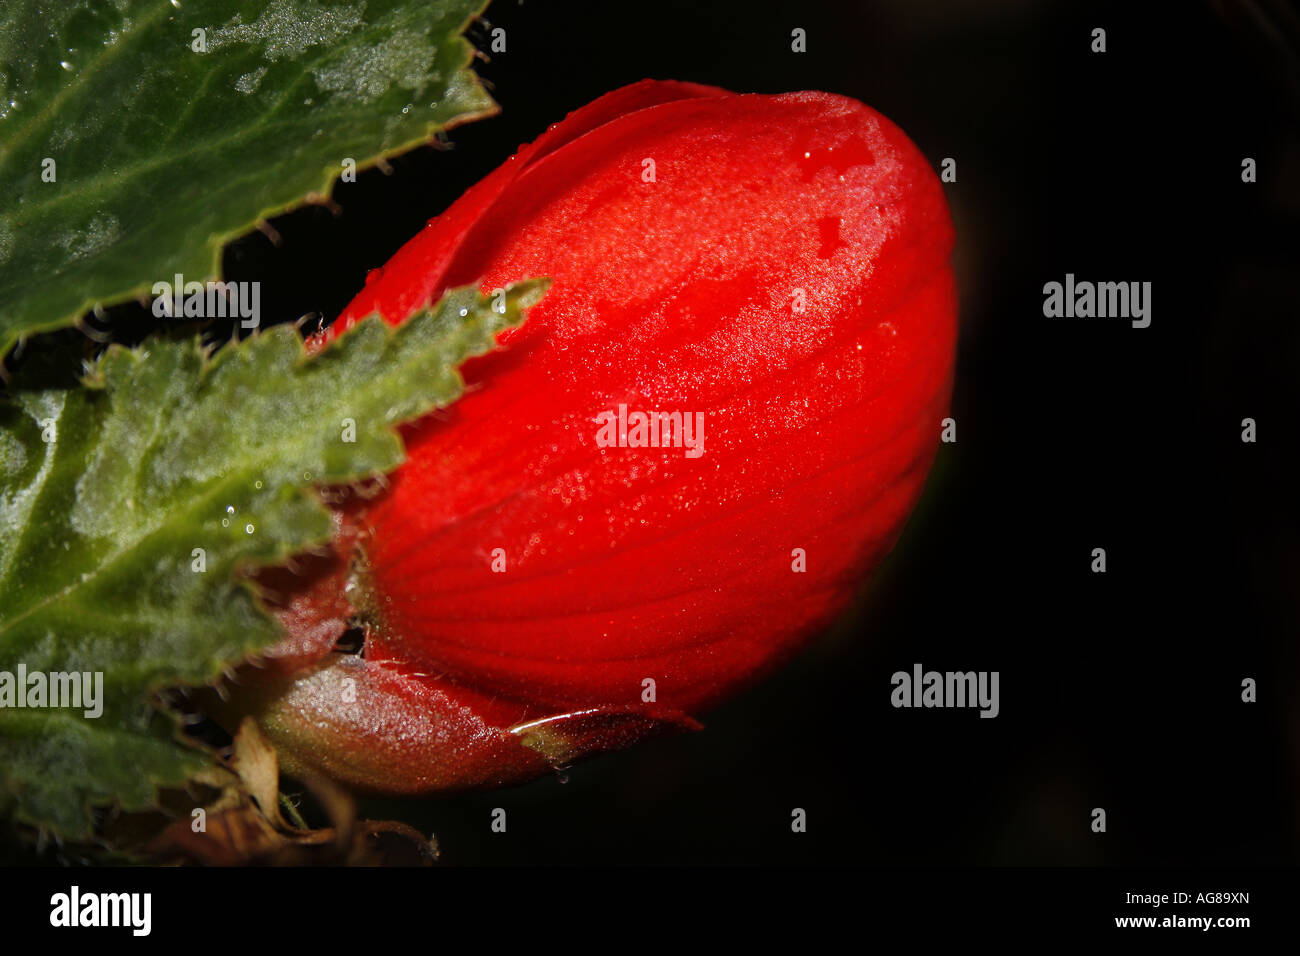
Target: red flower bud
557, 569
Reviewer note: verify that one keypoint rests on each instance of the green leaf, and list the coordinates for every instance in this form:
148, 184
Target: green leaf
162, 154
112, 492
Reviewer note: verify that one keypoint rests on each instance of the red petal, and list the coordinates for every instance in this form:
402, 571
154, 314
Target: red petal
631, 564
414, 276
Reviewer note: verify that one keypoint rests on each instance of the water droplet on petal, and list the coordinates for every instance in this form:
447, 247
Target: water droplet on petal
464, 312
374, 275
851, 152
829, 233
248, 529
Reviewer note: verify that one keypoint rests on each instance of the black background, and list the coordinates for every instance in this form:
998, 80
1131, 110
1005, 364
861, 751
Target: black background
1118, 690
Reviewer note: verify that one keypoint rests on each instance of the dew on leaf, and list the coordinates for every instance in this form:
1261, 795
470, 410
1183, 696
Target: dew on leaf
98, 235
249, 82
286, 29
403, 59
